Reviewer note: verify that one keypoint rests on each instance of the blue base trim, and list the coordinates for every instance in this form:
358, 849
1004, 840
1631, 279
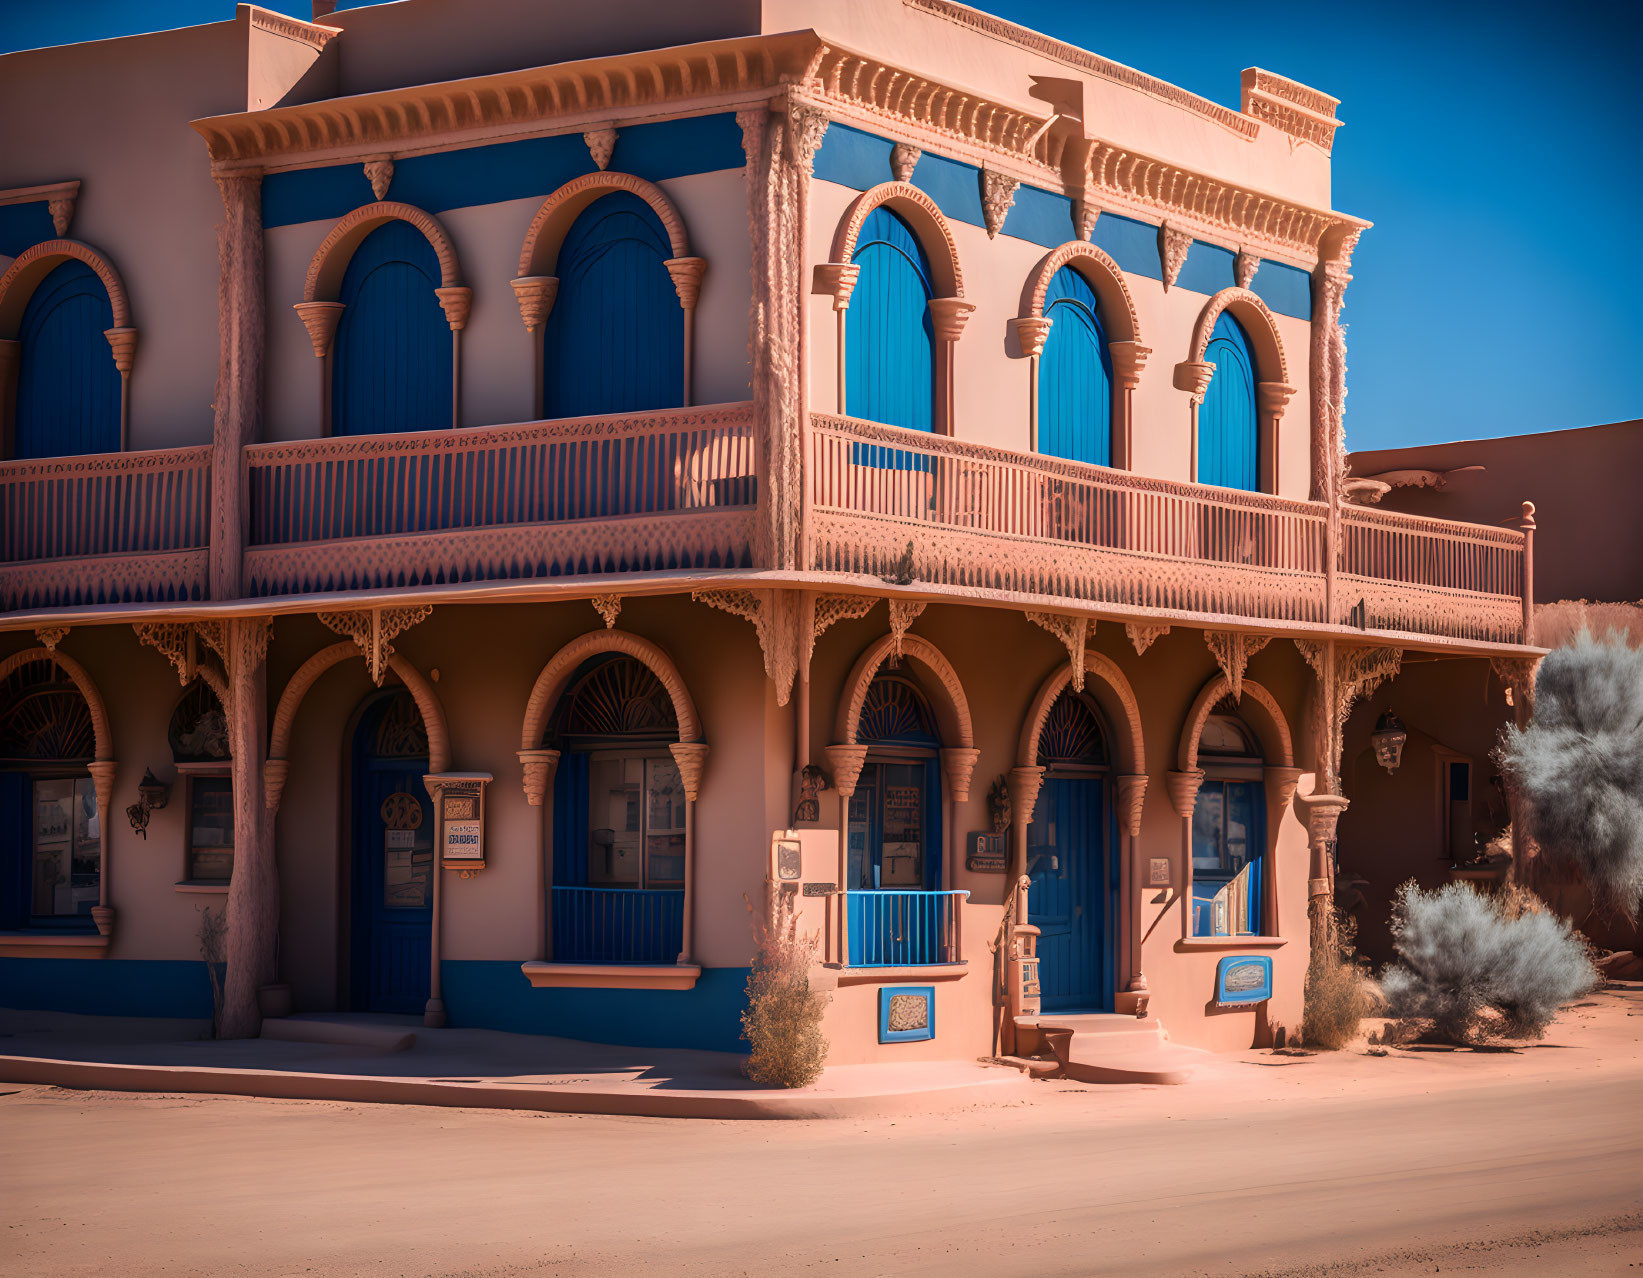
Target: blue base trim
107, 987
485, 994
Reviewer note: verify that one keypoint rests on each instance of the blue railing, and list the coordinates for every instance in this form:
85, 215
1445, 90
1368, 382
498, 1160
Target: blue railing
904, 928
618, 925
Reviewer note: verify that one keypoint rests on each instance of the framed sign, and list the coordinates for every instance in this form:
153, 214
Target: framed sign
1243, 979
1158, 872
985, 852
459, 807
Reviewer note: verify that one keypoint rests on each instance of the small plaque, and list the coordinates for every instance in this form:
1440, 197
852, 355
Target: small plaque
907, 1013
1243, 979
787, 860
1158, 872
820, 889
985, 852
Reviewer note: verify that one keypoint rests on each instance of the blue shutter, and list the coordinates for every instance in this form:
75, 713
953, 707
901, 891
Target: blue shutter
889, 342
68, 390
1228, 435
392, 366
614, 341
1074, 374
570, 820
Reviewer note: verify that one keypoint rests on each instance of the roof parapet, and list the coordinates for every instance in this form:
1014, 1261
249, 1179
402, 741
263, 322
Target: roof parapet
1290, 107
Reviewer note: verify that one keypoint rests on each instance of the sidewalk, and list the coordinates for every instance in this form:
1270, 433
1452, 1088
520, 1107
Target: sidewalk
466, 1068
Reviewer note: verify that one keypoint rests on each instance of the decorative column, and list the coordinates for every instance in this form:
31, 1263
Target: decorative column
321, 320
241, 319
1280, 786
1193, 377
540, 767
1323, 814
123, 343
947, 317
687, 283
806, 127
1128, 359
1030, 334
1132, 794
837, 280
958, 765
1024, 784
1270, 398
536, 294
845, 762
1527, 524
691, 756
102, 781
1183, 797
456, 301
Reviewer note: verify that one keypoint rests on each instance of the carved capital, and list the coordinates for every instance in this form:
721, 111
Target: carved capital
123, 342
1271, 397
807, 125
1183, 790
691, 757
948, 316
535, 294
1323, 815
102, 781
1245, 266
1144, 634
539, 767
1193, 376
320, 319
845, 763
379, 172
1128, 359
1031, 333
274, 772
601, 145
997, 195
1173, 244
904, 158
1025, 784
456, 302
1132, 795
687, 275
1280, 785
836, 280
958, 765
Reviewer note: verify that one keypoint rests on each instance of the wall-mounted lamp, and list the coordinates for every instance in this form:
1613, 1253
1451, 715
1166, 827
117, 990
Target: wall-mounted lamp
1388, 739
152, 794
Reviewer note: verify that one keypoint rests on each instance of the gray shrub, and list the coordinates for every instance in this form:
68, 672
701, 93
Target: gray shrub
1580, 765
1471, 973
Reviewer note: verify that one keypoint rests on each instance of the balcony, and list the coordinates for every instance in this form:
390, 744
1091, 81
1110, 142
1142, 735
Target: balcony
109, 528
648, 492
984, 519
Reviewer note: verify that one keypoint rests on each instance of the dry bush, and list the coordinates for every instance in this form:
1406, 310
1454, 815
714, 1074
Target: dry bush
783, 1020
1338, 994
1468, 971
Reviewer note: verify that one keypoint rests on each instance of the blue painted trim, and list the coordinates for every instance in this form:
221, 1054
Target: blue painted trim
1241, 962
1208, 269
1040, 217
1132, 245
1287, 290
855, 159
486, 994
953, 185
107, 987
531, 167
888, 1035
22, 226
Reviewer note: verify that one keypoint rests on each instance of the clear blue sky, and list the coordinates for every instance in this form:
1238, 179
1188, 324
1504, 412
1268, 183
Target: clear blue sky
1498, 148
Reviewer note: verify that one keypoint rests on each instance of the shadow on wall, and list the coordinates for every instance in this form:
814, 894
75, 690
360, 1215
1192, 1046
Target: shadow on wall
1557, 624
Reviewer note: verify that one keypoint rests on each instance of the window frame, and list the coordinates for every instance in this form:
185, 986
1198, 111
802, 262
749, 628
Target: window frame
189, 773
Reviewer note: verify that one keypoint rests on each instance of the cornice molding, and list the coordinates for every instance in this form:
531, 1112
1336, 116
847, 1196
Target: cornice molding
309, 33
1290, 107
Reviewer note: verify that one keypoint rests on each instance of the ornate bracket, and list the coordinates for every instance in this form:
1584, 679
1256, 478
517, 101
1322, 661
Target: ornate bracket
51, 636
903, 613
535, 295
609, 607
1144, 634
1232, 650
601, 145
379, 172
806, 127
1074, 632
372, 631
1358, 672
904, 158
1173, 244
775, 618
1517, 676
1245, 266
1086, 211
997, 195
62, 212
828, 609
175, 641
1132, 794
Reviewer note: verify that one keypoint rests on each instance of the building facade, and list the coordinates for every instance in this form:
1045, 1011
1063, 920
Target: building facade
490, 505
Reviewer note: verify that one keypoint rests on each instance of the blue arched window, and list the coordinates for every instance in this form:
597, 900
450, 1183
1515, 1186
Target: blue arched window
68, 390
614, 341
1074, 374
1228, 432
392, 368
889, 341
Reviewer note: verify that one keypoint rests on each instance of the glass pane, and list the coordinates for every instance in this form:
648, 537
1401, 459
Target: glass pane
407, 854
902, 849
66, 866
615, 820
1208, 821
1242, 824
664, 824
861, 866
211, 829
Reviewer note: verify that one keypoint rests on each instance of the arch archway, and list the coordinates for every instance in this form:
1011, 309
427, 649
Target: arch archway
1269, 723
1112, 692
952, 707
920, 212
551, 682
330, 260
1232, 319
539, 255
95, 705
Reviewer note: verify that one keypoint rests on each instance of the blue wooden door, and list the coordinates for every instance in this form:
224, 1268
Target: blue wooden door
1074, 374
1228, 433
391, 367
393, 868
614, 341
1073, 897
889, 342
68, 390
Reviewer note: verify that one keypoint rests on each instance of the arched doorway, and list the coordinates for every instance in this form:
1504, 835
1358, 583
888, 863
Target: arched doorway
1075, 374
391, 899
889, 335
68, 388
1073, 900
1228, 428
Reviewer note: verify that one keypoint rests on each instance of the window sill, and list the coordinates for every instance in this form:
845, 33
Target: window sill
611, 976
189, 885
896, 975
1189, 944
53, 945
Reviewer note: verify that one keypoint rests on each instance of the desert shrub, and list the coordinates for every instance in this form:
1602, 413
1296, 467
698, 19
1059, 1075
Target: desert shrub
1579, 764
1467, 972
212, 934
783, 1020
1338, 993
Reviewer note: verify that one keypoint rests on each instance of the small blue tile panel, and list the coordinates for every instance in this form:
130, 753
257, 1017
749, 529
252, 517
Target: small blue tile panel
1243, 978
907, 1013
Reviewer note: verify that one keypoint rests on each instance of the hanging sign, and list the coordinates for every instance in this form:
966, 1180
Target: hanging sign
459, 801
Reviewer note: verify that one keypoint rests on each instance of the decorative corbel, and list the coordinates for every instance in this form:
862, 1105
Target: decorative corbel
903, 613
539, 768
775, 618
1074, 632
997, 195
1132, 794
456, 301
62, 212
958, 765
372, 632
535, 294
836, 280
948, 316
379, 172
1232, 650
845, 762
1086, 211
1144, 634
1245, 266
1173, 244
175, 641
609, 607
123, 342
1128, 359
687, 275
1357, 673
601, 145
1517, 676
1183, 790
828, 609
904, 158
807, 125
1031, 333
320, 319
1193, 376
51, 636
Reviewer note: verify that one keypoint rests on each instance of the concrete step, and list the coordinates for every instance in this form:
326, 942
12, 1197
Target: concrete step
1034, 1066
1166, 1063
1099, 1023
376, 1038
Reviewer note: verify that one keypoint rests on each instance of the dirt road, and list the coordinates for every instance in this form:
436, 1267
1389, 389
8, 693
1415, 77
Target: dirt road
1522, 1163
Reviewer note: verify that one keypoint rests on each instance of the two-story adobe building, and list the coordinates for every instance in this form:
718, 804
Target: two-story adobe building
492, 497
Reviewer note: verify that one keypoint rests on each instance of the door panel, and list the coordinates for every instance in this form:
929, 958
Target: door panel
392, 885
1071, 900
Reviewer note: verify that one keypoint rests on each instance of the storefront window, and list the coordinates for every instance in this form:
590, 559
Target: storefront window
66, 870
1228, 832
636, 835
211, 830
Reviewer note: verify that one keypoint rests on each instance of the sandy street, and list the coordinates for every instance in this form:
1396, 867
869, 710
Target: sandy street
1521, 1163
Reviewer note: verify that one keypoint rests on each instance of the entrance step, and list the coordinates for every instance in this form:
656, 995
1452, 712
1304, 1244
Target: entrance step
1113, 1049
376, 1038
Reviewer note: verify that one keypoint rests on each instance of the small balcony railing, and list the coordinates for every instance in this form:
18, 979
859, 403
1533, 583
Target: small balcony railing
618, 925
105, 528
904, 928
639, 492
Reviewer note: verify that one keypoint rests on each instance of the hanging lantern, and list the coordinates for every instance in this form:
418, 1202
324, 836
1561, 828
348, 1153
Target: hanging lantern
1388, 740
152, 791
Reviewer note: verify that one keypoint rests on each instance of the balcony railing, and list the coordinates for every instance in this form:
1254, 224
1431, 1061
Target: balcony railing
904, 928
618, 925
640, 492
107, 528
983, 518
